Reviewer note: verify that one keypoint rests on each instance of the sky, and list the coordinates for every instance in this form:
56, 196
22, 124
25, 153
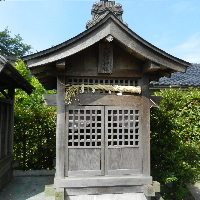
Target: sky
171, 25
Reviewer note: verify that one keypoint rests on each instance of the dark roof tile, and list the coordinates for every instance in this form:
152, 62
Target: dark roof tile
190, 78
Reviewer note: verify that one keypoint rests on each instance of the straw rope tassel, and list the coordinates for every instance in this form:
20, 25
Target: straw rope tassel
73, 90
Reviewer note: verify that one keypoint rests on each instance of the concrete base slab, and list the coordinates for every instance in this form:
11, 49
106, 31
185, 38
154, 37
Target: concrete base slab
138, 196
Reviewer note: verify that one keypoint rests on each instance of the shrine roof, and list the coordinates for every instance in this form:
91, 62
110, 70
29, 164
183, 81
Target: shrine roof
109, 25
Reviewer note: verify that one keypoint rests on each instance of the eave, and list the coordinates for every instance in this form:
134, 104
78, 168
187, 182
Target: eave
11, 78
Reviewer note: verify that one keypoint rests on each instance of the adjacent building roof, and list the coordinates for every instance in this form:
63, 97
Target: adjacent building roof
11, 78
191, 78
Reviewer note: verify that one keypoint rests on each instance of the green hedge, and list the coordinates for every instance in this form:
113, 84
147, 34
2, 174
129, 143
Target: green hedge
175, 140
35, 126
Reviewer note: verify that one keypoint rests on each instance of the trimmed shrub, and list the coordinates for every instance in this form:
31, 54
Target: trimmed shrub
175, 141
35, 126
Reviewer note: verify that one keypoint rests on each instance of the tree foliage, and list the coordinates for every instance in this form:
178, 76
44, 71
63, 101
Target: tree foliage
175, 140
12, 46
34, 131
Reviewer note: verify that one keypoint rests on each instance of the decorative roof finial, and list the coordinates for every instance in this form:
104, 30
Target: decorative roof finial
101, 9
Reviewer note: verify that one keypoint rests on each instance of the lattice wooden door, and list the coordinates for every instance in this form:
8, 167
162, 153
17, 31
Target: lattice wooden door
103, 140
86, 140
122, 134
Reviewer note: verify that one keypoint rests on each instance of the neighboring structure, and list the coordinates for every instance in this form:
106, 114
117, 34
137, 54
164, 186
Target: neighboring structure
10, 79
102, 139
191, 78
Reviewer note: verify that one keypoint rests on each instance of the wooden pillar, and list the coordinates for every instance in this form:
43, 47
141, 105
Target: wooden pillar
145, 126
60, 129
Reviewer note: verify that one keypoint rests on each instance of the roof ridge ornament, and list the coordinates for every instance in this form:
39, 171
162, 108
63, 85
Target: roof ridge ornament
101, 9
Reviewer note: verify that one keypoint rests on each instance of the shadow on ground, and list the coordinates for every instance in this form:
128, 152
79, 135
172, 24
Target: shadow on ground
23, 188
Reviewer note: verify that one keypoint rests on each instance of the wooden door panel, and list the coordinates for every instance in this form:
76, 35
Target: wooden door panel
122, 139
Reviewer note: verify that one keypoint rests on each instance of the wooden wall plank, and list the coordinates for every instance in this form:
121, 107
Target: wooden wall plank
6, 128
123, 158
11, 93
84, 173
6, 100
123, 73
84, 159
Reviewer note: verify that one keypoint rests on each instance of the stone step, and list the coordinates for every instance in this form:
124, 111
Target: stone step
49, 190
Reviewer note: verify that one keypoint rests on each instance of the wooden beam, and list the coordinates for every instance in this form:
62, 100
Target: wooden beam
97, 100
5, 94
50, 99
60, 65
150, 67
155, 101
163, 73
38, 70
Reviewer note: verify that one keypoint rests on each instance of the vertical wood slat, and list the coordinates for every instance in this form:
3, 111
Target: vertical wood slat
11, 93
7, 130
61, 145
145, 126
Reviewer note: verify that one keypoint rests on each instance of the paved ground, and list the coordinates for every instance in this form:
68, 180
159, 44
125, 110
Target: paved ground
26, 188
195, 190
31, 185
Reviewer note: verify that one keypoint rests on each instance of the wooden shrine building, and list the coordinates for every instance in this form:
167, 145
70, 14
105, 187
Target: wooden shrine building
103, 106
10, 79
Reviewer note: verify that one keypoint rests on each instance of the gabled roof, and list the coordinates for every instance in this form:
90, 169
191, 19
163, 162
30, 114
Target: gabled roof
122, 36
191, 78
110, 25
11, 78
